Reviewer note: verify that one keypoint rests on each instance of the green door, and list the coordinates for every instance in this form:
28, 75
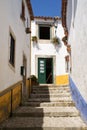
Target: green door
45, 70
42, 70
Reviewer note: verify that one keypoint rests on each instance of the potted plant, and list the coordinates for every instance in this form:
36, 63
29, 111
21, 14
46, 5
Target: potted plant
67, 58
56, 41
69, 48
28, 30
34, 80
22, 17
34, 39
66, 32
64, 39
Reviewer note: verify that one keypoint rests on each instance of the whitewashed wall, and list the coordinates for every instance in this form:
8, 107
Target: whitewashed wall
78, 40
10, 21
45, 48
77, 26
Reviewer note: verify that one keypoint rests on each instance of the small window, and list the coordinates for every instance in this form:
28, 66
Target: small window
44, 32
12, 51
23, 12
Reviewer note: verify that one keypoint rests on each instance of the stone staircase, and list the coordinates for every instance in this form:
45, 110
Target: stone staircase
48, 108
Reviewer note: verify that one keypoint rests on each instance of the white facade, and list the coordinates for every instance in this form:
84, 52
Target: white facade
77, 27
11, 23
45, 48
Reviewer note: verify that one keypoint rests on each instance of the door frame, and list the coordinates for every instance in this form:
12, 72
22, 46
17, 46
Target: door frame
54, 65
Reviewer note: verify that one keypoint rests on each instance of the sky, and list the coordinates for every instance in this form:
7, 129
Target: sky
50, 8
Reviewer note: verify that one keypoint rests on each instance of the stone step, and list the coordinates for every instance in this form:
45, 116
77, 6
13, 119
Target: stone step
50, 99
46, 123
46, 112
51, 92
50, 95
50, 88
49, 104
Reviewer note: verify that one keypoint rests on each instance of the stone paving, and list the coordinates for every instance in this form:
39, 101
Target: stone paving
48, 108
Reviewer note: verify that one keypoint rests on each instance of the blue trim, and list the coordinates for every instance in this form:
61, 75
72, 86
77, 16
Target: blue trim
78, 99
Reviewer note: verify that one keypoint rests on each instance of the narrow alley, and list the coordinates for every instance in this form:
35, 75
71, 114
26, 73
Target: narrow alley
43, 65
48, 108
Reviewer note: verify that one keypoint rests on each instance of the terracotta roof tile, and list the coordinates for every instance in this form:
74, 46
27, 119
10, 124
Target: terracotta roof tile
47, 17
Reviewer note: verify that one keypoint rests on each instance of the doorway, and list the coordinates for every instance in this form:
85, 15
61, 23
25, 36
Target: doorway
45, 70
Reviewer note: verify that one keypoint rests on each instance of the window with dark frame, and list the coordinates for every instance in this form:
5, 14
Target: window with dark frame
12, 51
44, 32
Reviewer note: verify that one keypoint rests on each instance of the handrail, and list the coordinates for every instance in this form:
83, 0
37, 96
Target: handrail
49, 76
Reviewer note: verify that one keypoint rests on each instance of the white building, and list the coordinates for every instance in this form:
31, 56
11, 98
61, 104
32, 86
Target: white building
75, 19
47, 59
15, 17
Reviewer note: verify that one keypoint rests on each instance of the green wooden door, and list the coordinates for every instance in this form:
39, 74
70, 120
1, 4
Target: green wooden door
45, 70
42, 70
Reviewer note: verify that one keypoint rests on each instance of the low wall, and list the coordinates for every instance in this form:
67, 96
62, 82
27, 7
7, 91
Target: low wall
11, 98
62, 80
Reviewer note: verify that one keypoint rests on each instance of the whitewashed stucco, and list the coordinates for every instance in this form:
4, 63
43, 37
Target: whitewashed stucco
45, 48
11, 22
78, 41
77, 26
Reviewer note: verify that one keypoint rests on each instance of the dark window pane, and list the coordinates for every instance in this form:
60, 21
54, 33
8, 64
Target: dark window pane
12, 50
44, 32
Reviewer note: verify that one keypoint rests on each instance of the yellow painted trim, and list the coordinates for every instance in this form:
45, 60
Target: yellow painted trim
62, 80
10, 99
5, 106
16, 97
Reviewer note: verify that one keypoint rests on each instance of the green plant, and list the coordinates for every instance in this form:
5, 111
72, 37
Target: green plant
64, 39
56, 40
28, 30
69, 48
34, 78
34, 39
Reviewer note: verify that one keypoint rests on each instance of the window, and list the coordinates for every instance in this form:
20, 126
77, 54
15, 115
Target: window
44, 32
12, 51
23, 12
